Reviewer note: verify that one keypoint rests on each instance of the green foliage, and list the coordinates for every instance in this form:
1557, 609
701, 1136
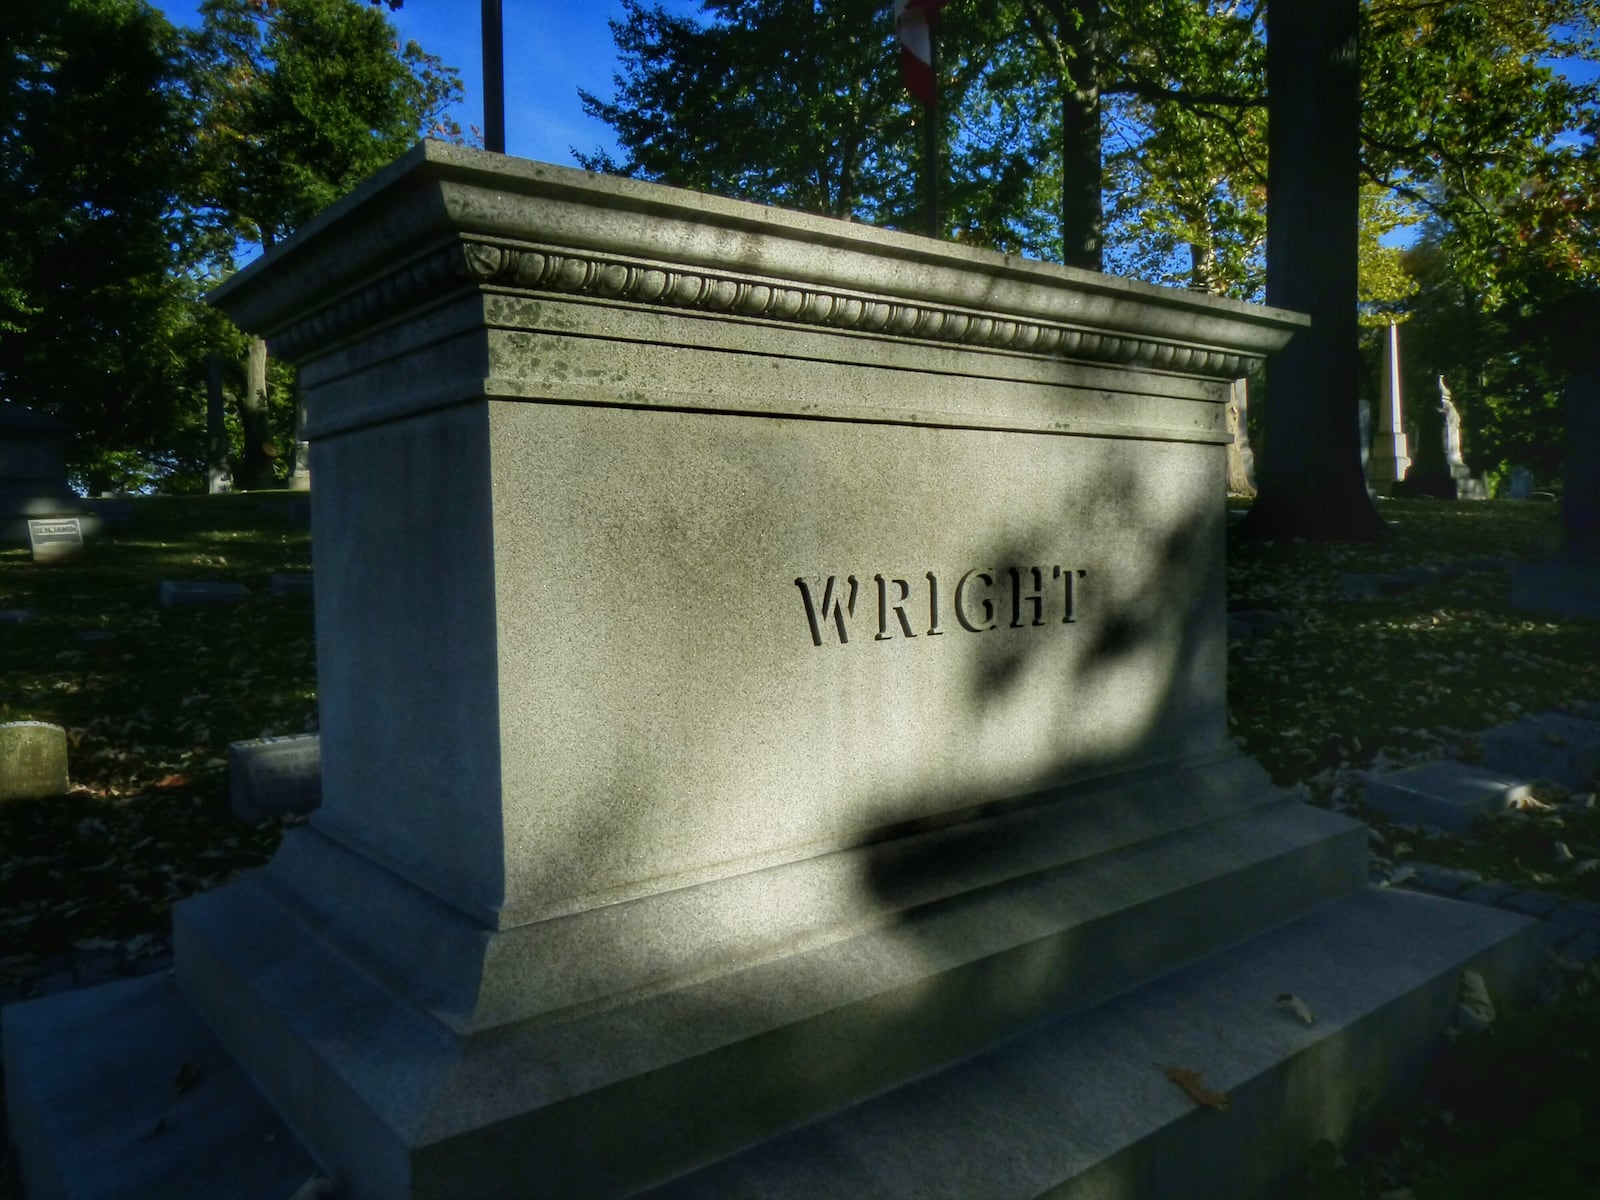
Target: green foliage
99, 316
302, 100
1186, 144
1504, 374
768, 100
1465, 120
133, 157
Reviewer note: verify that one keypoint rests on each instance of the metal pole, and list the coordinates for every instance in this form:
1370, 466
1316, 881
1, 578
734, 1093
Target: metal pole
930, 144
494, 79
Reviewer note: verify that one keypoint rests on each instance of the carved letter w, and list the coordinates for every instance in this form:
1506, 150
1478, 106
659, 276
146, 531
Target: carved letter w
830, 607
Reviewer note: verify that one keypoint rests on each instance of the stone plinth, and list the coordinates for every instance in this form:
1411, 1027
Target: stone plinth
761, 661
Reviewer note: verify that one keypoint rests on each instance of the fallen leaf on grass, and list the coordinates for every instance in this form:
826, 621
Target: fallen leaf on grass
1197, 1091
176, 780
1293, 1004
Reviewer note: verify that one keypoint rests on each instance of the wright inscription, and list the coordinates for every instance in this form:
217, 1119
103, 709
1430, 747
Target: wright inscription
981, 599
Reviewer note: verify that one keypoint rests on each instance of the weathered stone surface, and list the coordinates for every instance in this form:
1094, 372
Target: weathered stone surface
1444, 793
89, 1075
33, 760
33, 476
276, 776
762, 660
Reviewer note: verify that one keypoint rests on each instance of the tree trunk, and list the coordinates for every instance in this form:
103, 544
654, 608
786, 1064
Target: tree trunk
256, 469
217, 478
1082, 227
1309, 467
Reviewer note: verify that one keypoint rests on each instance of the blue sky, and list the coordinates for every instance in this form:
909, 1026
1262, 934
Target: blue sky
552, 48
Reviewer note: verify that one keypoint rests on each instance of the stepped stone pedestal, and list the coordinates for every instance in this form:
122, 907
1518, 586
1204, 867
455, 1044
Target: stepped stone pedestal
767, 667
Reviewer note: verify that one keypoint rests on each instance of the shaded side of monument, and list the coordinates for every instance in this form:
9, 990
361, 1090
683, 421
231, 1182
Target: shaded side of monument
774, 736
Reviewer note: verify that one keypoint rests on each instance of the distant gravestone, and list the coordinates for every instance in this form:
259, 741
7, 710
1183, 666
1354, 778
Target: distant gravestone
56, 540
33, 475
1389, 458
1468, 487
275, 776
184, 593
1241, 461
1520, 486
291, 584
33, 760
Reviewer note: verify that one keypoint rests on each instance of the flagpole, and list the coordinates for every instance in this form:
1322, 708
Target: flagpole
930, 142
494, 79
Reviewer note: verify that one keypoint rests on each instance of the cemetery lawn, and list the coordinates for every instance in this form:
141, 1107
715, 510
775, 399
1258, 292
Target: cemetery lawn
150, 698
1359, 655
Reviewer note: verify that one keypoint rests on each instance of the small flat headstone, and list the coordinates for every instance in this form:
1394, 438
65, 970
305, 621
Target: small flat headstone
56, 539
1549, 746
291, 585
16, 616
1445, 794
277, 776
179, 593
33, 760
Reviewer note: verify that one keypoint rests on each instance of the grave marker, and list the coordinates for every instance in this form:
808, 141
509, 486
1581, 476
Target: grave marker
1390, 457
56, 539
33, 474
275, 776
763, 661
33, 760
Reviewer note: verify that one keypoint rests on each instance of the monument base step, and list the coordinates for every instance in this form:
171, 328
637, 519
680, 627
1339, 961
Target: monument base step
121, 1091
1085, 1107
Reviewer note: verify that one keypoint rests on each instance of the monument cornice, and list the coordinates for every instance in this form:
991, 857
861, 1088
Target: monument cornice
535, 270
442, 221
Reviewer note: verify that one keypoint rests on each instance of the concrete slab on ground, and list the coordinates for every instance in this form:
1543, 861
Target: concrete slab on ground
1443, 793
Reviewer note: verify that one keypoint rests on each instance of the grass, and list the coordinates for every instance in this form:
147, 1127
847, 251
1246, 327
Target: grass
152, 697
